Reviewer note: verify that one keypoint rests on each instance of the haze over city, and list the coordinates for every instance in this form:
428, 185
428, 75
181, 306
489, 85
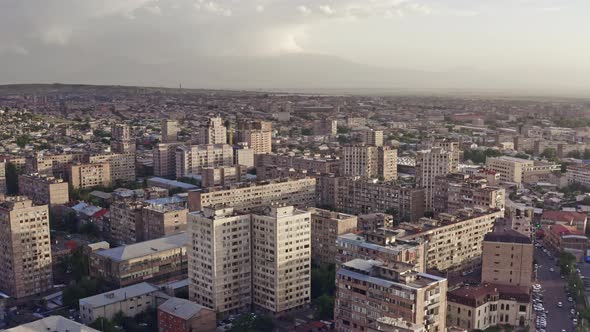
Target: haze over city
503, 45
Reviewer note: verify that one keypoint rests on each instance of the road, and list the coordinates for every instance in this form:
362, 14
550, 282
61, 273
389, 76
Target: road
553, 292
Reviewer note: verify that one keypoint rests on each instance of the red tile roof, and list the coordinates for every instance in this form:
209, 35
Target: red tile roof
564, 216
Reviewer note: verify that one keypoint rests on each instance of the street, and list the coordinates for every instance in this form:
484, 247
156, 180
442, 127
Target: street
553, 292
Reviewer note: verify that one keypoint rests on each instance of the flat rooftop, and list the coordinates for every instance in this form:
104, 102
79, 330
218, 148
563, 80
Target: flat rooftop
145, 248
52, 324
118, 295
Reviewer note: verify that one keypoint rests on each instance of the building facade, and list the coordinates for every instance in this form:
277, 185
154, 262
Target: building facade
326, 226
372, 162
507, 259
256, 134
89, 175
430, 164
43, 190
192, 159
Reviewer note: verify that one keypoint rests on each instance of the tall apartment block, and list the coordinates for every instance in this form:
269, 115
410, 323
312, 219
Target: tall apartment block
43, 190
26, 255
222, 176
121, 139
257, 134
281, 258
89, 175
507, 259
319, 165
52, 164
126, 223
361, 196
517, 170
456, 191
325, 127
382, 245
326, 226
220, 260
214, 132
244, 156
122, 165
192, 159
163, 220
368, 291
299, 192
169, 131
3, 177
262, 258
430, 164
370, 162
164, 156
373, 137
453, 241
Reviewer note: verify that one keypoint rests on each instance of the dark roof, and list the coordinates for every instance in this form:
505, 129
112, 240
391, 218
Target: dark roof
507, 236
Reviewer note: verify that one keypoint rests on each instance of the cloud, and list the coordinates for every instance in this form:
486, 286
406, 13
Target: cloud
304, 10
326, 9
56, 35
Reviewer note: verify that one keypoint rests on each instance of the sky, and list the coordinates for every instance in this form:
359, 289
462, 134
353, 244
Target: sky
546, 39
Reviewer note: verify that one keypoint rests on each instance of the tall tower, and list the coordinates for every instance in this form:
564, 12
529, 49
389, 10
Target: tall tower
121, 139
430, 164
169, 131
213, 133
258, 135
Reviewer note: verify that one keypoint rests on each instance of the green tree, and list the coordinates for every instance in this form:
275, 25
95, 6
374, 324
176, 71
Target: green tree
324, 307
322, 280
11, 179
575, 154
550, 154
22, 141
252, 323
306, 132
105, 325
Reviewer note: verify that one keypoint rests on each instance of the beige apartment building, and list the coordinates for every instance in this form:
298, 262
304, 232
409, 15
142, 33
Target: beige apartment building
220, 260
257, 134
578, 174
325, 127
456, 191
89, 175
515, 170
281, 258
373, 137
244, 156
43, 190
326, 226
372, 162
192, 159
368, 291
481, 307
319, 165
121, 139
453, 241
163, 220
430, 164
131, 300
26, 255
382, 245
126, 223
169, 131
122, 165
507, 259
361, 196
52, 164
374, 221
155, 260
164, 156
299, 192
222, 176
214, 132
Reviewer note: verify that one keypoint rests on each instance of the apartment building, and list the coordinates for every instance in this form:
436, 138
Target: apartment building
373, 137
122, 165
481, 307
130, 301
150, 261
507, 259
256, 134
26, 255
578, 174
220, 259
126, 223
300, 192
89, 175
281, 258
180, 315
121, 139
430, 164
244, 156
372, 162
515, 170
326, 226
169, 131
325, 127
367, 291
2, 177
361, 196
214, 132
374, 221
164, 156
52, 323
222, 176
161, 220
52, 164
43, 190
561, 238
456, 191
566, 218
310, 164
382, 245
453, 241
192, 159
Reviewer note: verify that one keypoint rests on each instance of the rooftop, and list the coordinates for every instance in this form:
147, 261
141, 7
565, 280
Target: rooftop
182, 308
52, 324
564, 216
118, 295
507, 236
145, 248
178, 184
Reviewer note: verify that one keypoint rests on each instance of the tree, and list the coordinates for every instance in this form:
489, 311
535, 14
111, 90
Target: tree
521, 155
575, 154
322, 280
550, 154
342, 130
324, 307
22, 141
306, 132
252, 323
11, 179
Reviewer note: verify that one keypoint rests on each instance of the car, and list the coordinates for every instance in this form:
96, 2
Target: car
575, 321
559, 304
569, 299
572, 311
562, 277
551, 270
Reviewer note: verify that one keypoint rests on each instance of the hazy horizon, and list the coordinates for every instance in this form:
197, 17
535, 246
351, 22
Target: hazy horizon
502, 45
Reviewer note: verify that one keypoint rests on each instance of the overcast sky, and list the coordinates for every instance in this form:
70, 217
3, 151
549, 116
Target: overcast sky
546, 36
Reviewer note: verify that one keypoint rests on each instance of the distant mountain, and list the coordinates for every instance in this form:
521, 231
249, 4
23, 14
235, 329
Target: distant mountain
289, 72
